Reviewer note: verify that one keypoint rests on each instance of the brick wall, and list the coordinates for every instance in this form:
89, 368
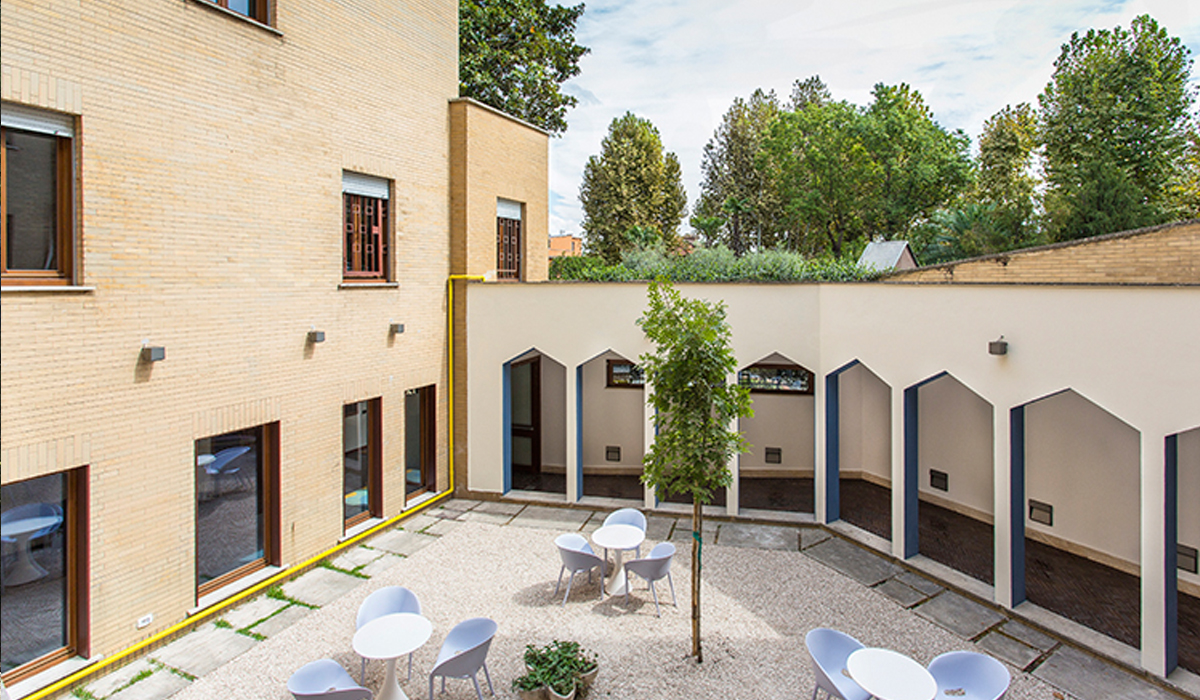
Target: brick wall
1167, 254
211, 157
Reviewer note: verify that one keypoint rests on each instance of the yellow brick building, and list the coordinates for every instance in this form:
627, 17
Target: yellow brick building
227, 244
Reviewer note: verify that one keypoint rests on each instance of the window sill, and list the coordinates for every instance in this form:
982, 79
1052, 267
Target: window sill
207, 601
57, 289
369, 285
360, 528
51, 675
239, 16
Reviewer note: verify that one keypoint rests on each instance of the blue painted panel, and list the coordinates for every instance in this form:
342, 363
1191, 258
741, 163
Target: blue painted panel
911, 470
506, 421
833, 448
1171, 563
578, 433
1016, 431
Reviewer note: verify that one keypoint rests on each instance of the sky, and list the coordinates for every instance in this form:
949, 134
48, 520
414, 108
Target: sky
680, 63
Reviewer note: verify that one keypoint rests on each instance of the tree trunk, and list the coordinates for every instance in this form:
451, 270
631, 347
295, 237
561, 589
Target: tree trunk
697, 521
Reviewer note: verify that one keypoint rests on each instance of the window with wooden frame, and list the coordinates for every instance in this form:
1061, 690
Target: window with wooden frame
45, 599
365, 230
37, 196
237, 505
508, 239
625, 375
777, 378
362, 455
257, 10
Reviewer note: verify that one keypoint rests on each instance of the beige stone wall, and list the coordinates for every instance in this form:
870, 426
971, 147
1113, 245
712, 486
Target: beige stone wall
1167, 254
211, 157
494, 156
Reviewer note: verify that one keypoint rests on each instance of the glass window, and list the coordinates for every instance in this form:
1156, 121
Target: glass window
365, 217
35, 590
419, 440
777, 378
360, 460
38, 202
234, 482
254, 9
623, 373
508, 239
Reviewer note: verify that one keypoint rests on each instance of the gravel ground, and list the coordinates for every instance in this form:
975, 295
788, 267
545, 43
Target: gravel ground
757, 607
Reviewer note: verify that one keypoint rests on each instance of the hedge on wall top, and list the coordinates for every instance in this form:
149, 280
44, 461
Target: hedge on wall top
709, 265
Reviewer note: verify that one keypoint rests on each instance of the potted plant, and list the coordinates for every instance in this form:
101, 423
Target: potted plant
556, 670
529, 686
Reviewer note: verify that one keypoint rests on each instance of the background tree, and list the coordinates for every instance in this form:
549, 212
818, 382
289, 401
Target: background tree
730, 172
632, 183
811, 90
515, 54
694, 408
1005, 180
1114, 120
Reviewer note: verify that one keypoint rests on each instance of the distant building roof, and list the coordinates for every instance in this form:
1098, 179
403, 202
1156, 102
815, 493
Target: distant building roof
886, 256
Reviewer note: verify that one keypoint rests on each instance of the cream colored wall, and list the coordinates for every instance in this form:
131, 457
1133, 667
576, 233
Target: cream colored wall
864, 425
955, 436
782, 421
211, 162
611, 416
554, 414
1188, 470
1084, 462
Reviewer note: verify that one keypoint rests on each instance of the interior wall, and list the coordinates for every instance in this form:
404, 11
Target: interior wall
1086, 463
554, 414
780, 420
865, 425
611, 416
1188, 466
954, 426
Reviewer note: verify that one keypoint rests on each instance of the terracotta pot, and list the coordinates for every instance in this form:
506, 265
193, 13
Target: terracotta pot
552, 695
586, 679
538, 693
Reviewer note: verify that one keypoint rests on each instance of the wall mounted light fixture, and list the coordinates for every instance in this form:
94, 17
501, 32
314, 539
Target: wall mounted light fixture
315, 336
998, 346
153, 353
395, 328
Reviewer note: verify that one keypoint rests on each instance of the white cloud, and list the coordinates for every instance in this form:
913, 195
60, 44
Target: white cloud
680, 63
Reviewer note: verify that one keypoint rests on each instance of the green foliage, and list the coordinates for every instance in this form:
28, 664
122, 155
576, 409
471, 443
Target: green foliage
1005, 181
1115, 122
694, 402
710, 265
558, 664
515, 54
631, 185
811, 90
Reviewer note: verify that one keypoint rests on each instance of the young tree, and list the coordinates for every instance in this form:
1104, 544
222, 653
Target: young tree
1005, 181
632, 183
694, 408
810, 91
515, 54
1114, 120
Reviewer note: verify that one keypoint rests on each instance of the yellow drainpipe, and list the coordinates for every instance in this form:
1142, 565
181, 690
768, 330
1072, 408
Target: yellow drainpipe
218, 607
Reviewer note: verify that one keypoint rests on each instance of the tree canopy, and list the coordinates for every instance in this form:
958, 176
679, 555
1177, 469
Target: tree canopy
632, 193
515, 54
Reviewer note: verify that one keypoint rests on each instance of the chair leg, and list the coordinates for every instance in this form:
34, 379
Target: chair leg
814, 697
568, 593
410, 666
560, 573
672, 584
431, 688
362, 677
655, 594
489, 679
475, 680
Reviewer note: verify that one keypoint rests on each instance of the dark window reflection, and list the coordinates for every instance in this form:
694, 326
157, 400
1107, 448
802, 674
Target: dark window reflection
230, 503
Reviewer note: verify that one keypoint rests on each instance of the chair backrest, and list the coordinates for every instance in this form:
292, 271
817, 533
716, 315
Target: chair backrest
572, 540
829, 650
980, 675
576, 559
656, 565
465, 648
627, 516
385, 601
325, 679
222, 459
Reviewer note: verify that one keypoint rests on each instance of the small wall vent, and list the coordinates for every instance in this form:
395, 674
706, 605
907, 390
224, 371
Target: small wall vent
1186, 558
612, 453
939, 480
774, 455
1041, 512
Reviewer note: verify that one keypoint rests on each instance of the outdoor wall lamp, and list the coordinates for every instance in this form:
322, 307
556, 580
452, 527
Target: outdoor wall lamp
153, 353
316, 336
998, 347
395, 328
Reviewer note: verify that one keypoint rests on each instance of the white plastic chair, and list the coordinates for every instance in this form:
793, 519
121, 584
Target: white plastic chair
576, 555
222, 465
829, 650
327, 680
33, 510
464, 652
627, 516
385, 601
656, 566
969, 676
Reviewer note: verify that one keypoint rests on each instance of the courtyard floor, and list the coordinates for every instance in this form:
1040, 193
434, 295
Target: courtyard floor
764, 587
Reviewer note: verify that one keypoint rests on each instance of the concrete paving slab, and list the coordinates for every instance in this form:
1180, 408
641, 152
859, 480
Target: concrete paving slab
462, 505
355, 557
961, 616
400, 542
853, 561
380, 565
321, 586
658, 528
1085, 676
1008, 649
547, 518
477, 516
420, 522
753, 536
108, 684
498, 508
902, 594
248, 613
683, 532
204, 649
441, 526
277, 623
162, 684
1028, 635
810, 536
922, 584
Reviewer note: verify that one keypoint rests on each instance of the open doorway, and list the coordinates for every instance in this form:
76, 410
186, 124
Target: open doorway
777, 471
420, 441
535, 422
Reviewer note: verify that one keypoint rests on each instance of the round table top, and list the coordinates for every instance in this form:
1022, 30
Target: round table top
890, 675
390, 636
619, 536
24, 526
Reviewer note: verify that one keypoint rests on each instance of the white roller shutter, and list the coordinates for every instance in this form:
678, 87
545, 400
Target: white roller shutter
36, 120
508, 209
364, 185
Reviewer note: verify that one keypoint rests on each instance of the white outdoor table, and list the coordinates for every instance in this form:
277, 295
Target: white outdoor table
890, 675
25, 569
390, 637
618, 538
